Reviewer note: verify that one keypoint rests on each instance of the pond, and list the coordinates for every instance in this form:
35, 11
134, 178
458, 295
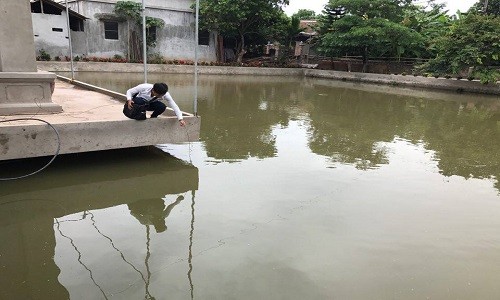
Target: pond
298, 189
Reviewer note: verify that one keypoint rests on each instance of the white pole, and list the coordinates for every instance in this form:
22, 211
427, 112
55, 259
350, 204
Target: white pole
196, 57
70, 45
144, 49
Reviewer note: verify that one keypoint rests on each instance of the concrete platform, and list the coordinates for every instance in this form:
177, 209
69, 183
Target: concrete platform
92, 120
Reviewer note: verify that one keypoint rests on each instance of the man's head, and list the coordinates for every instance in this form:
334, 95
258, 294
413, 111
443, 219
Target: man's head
160, 89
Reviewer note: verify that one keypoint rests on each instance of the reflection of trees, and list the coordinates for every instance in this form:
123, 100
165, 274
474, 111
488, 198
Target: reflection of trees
237, 123
465, 136
348, 126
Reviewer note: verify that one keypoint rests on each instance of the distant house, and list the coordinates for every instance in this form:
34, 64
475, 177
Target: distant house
303, 47
50, 27
106, 35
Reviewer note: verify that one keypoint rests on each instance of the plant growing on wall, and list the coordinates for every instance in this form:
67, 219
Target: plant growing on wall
131, 11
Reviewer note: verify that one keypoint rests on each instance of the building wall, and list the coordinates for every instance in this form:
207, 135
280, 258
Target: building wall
174, 41
171, 4
79, 42
96, 44
53, 42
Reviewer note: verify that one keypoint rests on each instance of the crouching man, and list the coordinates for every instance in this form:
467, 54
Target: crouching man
147, 96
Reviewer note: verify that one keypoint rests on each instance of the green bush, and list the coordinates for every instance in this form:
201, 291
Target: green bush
43, 55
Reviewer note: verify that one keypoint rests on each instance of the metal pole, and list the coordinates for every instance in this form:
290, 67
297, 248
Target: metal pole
144, 49
195, 105
485, 9
70, 45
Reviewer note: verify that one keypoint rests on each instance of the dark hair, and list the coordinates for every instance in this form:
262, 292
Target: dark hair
160, 88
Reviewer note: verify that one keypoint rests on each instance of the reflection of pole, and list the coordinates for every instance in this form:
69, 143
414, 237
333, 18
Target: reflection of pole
190, 257
70, 46
121, 253
80, 258
148, 255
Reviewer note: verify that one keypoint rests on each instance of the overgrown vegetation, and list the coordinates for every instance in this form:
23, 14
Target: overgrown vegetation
466, 44
131, 12
472, 43
249, 22
43, 55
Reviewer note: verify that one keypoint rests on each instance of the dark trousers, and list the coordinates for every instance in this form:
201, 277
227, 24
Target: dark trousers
156, 106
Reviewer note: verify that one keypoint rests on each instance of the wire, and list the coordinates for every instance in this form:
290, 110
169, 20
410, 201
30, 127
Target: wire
53, 158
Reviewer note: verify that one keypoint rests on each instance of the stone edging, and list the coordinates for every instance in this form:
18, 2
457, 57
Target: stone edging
393, 80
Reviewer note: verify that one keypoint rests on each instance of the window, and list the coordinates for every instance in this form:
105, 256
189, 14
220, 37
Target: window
151, 34
204, 37
111, 30
76, 24
57, 29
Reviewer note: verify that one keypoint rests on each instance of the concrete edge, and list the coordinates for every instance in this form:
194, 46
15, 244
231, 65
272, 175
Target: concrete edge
28, 76
35, 140
410, 81
450, 85
116, 95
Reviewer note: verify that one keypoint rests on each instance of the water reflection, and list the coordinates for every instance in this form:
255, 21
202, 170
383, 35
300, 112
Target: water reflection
153, 212
347, 122
336, 194
38, 218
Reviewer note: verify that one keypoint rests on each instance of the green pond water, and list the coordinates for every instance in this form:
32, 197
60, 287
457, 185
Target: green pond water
298, 189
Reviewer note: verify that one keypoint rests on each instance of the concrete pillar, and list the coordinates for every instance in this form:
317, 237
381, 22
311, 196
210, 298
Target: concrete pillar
23, 90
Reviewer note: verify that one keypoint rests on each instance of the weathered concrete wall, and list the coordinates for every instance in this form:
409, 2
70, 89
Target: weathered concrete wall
177, 39
96, 44
53, 42
79, 42
174, 41
171, 4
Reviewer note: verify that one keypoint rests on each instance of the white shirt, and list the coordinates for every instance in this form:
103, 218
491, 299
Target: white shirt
144, 91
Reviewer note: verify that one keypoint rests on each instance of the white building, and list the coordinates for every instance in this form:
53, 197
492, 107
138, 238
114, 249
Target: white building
103, 34
50, 27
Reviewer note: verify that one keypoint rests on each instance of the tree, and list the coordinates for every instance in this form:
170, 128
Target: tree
240, 18
431, 21
492, 8
305, 14
367, 28
472, 42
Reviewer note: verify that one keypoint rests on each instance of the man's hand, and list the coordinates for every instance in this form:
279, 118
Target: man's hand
129, 104
182, 123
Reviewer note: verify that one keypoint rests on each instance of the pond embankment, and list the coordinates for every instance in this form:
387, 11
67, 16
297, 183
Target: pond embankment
460, 86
